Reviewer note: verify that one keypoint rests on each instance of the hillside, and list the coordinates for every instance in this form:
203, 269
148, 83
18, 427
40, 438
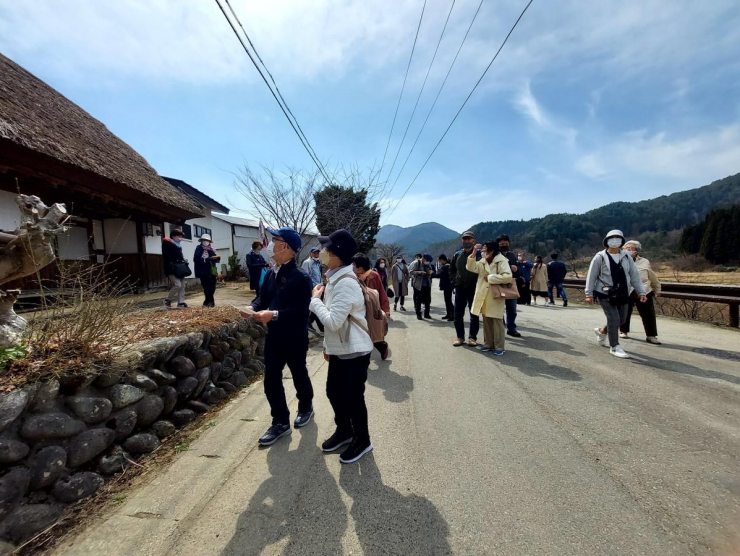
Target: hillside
656, 222
415, 238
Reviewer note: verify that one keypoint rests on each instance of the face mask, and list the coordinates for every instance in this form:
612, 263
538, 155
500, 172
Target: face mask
324, 257
177, 240
468, 246
205, 243
614, 242
382, 265
270, 250
520, 259
504, 248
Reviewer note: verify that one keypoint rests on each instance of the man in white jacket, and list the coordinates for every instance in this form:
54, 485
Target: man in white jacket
347, 346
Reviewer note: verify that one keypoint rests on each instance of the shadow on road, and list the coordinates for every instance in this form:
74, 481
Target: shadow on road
531, 366
395, 323
396, 388
299, 506
542, 344
683, 368
387, 521
710, 352
547, 333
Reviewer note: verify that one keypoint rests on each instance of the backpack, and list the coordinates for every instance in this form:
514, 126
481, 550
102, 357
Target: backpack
377, 323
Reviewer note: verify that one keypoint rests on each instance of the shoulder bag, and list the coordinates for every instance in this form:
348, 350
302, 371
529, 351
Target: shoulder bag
505, 291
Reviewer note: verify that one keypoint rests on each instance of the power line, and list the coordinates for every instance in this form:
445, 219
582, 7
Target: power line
421, 17
463, 105
431, 109
418, 98
303, 139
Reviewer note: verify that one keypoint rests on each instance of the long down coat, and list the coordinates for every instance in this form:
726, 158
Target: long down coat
498, 272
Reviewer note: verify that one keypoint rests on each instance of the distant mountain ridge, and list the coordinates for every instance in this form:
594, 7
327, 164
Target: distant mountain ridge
414, 238
655, 221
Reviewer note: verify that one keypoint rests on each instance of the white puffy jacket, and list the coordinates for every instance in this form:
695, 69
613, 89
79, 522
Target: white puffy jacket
341, 299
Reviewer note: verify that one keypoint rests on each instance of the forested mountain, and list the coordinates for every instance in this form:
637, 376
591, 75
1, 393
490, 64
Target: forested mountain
654, 220
717, 238
415, 238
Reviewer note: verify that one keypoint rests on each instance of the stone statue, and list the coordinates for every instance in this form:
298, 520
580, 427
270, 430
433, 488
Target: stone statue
23, 252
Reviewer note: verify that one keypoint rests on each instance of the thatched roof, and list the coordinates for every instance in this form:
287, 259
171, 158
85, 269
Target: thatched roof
38, 118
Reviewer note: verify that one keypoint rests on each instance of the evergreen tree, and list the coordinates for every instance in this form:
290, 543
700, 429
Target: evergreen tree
347, 208
710, 238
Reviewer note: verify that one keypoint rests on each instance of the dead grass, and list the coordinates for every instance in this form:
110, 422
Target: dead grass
175, 322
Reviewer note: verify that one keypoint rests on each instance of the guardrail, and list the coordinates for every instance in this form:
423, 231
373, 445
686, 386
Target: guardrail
710, 293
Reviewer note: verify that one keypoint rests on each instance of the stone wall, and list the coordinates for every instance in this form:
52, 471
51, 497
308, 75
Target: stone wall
59, 440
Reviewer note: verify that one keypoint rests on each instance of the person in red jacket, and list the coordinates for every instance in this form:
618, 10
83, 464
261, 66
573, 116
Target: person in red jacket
372, 279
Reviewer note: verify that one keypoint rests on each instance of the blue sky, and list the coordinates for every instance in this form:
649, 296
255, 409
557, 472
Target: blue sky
588, 103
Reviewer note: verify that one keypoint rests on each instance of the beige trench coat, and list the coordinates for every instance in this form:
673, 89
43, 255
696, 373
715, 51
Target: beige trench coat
539, 279
498, 272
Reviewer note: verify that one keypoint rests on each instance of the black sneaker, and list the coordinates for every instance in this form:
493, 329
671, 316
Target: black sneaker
167, 303
514, 333
355, 451
565, 303
336, 441
303, 419
182, 305
403, 308
273, 433
428, 316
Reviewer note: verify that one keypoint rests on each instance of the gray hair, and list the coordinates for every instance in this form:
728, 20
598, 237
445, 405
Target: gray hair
634, 242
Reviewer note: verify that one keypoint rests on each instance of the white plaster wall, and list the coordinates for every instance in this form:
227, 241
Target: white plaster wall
120, 236
73, 244
153, 244
98, 237
10, 214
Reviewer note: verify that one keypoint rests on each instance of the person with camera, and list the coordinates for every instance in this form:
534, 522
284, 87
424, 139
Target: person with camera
612, 277
205, 259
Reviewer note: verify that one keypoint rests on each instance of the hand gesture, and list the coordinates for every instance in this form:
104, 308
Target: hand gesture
263, 316
590, 300
317, 291
643, 298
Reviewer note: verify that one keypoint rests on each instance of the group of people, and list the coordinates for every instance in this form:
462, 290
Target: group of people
347, 297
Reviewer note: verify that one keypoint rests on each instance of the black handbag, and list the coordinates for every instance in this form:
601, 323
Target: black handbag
181, 269
390, 294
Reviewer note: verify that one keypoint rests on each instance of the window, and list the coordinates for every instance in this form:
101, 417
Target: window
186, 231
148, 229
200, 230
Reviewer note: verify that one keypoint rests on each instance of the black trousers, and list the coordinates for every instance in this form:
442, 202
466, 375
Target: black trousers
525, 295
400, 298
646, 311
312, 318
291, 351
345, 388
449, 305
422, 297
209, 288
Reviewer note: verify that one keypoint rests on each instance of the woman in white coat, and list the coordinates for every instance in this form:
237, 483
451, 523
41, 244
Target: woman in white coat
347, 345
492, 268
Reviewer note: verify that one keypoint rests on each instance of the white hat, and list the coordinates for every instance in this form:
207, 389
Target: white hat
205, 237
614, 233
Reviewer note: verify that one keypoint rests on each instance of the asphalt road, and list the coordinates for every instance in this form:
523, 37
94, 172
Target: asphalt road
555, 448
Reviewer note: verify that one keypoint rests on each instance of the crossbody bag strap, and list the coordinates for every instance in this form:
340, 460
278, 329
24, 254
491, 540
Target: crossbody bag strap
350, 318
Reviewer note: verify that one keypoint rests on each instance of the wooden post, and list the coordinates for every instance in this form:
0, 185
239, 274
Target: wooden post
734, 314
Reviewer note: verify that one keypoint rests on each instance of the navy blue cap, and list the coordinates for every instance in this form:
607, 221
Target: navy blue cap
289, 236
315, 249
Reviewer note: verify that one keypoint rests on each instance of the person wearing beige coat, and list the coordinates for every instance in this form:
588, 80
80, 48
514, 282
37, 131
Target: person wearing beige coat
493, 268
538, 283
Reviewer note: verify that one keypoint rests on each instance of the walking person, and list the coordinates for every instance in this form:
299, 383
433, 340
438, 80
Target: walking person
556, 271
400, 278
373, 280
172, 258
446, 285
381, 267
538, 283
492, 268
465, 285
652, 288
283, 305
503, 245
312, 266
255, 263
205, 259
421, 280
525, 274
612, 276
347, 346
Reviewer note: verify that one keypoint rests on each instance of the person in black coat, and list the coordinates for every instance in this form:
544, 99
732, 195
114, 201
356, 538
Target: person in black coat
556, 272
255, 263
446, 285
171, 255
205, 259
283, 306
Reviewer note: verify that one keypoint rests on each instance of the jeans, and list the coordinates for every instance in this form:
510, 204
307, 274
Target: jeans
561, 291
291, 351
616, 315
345, 388
449, 305
464, 298
511, 315
647, 314
177, 290
209, 288
422, 297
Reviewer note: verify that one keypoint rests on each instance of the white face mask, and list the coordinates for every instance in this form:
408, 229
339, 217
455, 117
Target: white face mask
205, 243
324, 257
382, 265
614, 242
270, 250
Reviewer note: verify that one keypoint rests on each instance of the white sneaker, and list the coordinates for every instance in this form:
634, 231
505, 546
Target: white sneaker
623, 335
617, 351
550, 304
601, 338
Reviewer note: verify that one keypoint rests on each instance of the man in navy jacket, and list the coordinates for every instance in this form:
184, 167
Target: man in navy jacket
556, 271
283, 305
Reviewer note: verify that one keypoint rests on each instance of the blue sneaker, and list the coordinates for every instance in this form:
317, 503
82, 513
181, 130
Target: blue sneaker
483, 349
498, 351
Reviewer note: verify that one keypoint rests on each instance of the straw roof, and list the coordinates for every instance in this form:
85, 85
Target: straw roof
37, 117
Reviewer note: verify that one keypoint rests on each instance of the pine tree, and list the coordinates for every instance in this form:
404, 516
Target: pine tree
710, 237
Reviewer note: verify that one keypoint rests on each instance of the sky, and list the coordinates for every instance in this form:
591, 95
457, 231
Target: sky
588, 102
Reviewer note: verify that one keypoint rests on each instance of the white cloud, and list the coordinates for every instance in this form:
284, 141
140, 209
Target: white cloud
528, 105
591, 166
